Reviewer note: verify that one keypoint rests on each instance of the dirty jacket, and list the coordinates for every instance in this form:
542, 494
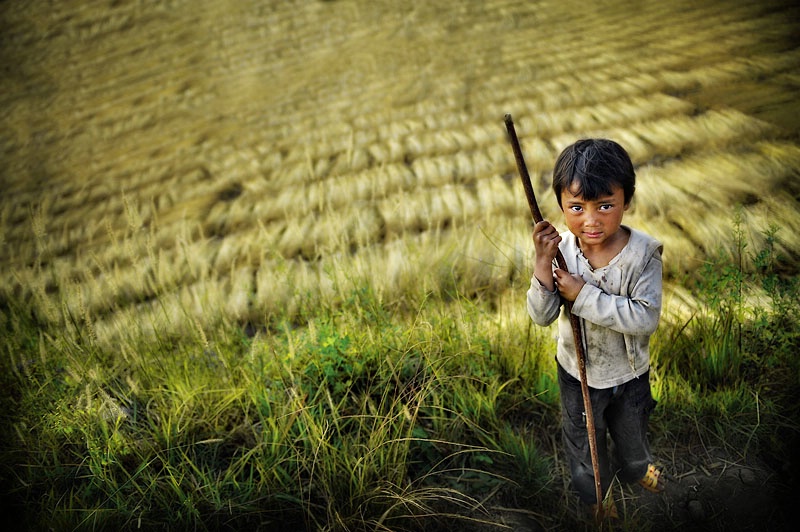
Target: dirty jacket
619, 307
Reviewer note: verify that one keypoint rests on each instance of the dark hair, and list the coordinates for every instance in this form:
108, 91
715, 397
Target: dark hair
597, 166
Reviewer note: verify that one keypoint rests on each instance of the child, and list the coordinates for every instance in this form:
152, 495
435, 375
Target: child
614, 284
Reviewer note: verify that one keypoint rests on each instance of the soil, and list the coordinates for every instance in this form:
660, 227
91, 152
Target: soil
706, 491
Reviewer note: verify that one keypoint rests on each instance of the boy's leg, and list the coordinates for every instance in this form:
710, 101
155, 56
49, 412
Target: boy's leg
576, 438
628, 415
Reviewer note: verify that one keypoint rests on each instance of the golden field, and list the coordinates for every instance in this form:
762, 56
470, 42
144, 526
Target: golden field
186, 162
263, 263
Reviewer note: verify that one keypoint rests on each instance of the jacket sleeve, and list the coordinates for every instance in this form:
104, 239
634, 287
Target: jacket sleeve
636, 313
543, 305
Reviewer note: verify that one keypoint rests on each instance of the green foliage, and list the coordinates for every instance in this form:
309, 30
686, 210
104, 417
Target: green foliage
744, 320
365, 416
731, 368
335, 365
358, 420
775, 327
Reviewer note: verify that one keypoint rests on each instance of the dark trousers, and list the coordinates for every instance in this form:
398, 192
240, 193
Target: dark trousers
621, 412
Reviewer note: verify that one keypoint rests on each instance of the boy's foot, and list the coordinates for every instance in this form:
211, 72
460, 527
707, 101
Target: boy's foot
653, 480
608, 510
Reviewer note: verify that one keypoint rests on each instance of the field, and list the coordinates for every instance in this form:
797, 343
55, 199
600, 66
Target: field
264, 263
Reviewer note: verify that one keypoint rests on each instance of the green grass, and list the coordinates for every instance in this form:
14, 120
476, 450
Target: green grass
727, 374
363, 415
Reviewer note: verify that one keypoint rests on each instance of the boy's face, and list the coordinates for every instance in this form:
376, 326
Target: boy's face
595, 223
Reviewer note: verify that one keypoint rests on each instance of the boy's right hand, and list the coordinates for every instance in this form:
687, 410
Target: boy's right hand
545, 241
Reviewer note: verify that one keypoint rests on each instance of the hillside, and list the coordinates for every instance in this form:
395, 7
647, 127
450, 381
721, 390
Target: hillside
168, 167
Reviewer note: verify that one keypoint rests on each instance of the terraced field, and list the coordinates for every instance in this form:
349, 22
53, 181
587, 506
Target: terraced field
170, 166
229, 155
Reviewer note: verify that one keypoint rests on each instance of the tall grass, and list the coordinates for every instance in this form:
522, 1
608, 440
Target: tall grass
358, 421
724, 361
363, 415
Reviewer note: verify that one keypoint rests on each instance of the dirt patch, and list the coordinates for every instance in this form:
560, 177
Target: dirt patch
705, 492
714, 493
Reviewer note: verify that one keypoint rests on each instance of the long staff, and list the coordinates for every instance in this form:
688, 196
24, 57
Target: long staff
573, 319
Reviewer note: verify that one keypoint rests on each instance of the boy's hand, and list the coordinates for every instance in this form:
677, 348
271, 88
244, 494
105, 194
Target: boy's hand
568, 285
545, 242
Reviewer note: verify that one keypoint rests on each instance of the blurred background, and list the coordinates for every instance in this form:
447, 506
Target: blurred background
220, 151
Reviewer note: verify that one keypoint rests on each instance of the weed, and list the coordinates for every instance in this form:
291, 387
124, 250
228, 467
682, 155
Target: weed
729, 367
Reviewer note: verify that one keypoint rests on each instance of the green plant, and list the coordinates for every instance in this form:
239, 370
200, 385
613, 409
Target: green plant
731, 367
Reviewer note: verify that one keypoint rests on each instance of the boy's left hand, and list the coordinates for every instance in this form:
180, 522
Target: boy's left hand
568, 285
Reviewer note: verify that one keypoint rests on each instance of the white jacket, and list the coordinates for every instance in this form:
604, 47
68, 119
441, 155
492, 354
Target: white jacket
619, 307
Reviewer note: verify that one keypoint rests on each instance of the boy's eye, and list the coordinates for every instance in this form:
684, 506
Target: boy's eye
605, 206
576, 208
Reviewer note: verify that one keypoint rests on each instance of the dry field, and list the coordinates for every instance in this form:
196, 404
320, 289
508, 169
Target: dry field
174, 161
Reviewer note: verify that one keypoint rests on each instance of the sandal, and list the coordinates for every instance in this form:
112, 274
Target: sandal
607, 511
652, 480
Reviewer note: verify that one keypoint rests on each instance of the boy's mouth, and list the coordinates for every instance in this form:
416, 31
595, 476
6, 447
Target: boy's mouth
593, 234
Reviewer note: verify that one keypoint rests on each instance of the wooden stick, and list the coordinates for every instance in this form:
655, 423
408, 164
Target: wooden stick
574, 320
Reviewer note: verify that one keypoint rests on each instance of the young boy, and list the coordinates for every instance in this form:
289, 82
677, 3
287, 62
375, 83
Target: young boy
614, 284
